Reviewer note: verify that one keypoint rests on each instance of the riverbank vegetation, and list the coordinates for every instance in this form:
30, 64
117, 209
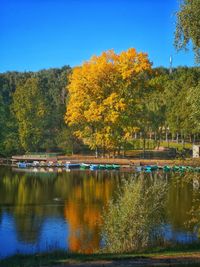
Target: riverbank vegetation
134, 104
186, 256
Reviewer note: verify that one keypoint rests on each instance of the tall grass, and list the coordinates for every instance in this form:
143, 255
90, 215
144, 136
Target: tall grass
134, 221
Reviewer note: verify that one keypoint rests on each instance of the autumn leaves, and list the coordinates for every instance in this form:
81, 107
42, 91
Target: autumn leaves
104, 97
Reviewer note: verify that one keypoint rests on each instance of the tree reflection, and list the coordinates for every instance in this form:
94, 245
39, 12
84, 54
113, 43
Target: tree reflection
78, 198
184, 205
83, 211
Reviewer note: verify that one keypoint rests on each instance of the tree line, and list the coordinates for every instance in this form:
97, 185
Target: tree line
32, 108
106, 104
117, 98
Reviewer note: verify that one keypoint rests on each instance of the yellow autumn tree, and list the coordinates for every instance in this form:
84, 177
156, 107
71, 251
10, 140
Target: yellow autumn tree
104, 96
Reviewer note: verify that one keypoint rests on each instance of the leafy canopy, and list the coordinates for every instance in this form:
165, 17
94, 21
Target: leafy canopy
103, 97
188, 26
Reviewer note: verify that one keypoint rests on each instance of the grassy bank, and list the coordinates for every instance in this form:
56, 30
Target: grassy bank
161, 257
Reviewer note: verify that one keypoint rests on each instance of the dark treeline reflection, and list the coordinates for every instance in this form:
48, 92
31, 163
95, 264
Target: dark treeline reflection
78, 198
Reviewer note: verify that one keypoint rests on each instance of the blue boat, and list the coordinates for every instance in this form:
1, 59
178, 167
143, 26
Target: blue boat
148, 168
151, 168
94, 167
22, 165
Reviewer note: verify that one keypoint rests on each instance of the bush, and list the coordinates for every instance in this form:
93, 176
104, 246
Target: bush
134, 221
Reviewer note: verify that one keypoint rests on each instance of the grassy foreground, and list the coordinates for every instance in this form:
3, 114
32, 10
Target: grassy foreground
185, 256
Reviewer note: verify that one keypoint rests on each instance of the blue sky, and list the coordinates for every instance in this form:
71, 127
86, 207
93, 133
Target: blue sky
38, 34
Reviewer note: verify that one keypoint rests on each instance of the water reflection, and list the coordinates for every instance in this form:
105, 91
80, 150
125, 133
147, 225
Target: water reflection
41, 211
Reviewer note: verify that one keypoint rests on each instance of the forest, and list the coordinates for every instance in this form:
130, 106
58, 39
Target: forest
108, 103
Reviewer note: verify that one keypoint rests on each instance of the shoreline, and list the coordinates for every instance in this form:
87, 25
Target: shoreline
166, 257
126, 162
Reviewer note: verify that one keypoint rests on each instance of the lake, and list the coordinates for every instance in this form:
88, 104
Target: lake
62, 209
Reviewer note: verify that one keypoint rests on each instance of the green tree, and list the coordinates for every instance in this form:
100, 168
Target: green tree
194, 100
178, 107
53, 83
30, 109
188, 26
9, 139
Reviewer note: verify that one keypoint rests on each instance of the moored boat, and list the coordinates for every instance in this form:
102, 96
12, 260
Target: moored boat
102, 167
22, 165
116, 166
166, 168
84, 166
94, 167
109, 166
72, 165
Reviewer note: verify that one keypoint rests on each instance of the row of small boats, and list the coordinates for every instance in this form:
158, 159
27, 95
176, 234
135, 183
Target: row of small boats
83, 166
95, 167
166, 168
68, 165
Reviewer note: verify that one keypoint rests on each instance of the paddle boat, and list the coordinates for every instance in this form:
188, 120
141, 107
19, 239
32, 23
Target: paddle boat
109, 166
84, 166
147, 168
175, 168
59, 163
69, 165
42, 164
102, 167
94, 167
35, 163
116, 166
139, 168
166, 168
22, 165
50, 164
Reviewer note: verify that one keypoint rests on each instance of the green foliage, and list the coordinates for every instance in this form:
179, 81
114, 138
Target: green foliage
194, 98
22, 95
188, 26
133, 221
30, 109
178, 105
152, 104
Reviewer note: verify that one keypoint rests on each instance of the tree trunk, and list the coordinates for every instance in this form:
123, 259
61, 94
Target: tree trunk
144, 145
183, 141
135, 135
96, 153
118, 151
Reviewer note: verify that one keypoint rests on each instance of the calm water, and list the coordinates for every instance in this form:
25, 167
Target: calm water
41, 211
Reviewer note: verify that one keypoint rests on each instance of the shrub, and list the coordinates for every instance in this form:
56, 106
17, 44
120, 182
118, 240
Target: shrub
134, 221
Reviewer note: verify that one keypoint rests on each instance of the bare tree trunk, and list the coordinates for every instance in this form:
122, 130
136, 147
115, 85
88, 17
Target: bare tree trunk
183, 141
166, 135
144, 145
190, 138
118, 151
135, 135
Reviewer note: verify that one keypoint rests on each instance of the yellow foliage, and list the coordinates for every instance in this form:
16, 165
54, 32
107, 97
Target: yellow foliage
101, 96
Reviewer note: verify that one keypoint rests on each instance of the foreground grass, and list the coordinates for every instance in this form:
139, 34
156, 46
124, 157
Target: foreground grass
63, 258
